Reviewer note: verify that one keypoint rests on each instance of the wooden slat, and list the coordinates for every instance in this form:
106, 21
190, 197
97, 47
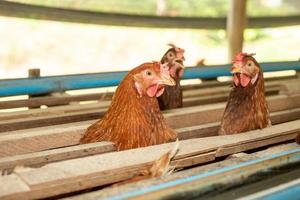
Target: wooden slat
276, 103
12, 185
38, 158
65, 135
201, 96
178, 118
43, 157
187, 102
109, 192
230, 177
77, 174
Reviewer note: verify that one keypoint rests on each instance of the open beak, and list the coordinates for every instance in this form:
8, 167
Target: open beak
167, 81
179, 62
235, 69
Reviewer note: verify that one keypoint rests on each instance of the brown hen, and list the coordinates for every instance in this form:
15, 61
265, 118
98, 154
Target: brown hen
134, 119
172, 97
246, 107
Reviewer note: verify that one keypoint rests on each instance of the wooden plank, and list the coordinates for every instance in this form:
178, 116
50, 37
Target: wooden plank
187, 102
12, 185
10, 125
213, 113
205, 184
194, 160
17, 124
64, 177
49, 101
52, 155
226, 150
108, 192
20, 142
236, 23
290, 88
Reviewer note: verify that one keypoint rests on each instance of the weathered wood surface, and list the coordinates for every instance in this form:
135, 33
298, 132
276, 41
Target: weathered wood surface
114, 191
31, 143
66, 176
58, 118
290, 87
188, 91
191, 101
177, 118
53, 155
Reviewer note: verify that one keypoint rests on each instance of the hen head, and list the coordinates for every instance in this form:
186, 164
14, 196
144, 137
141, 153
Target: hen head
150, 79
174, 56
245, 70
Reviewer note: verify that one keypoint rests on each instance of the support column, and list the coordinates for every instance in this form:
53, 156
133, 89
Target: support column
236, 23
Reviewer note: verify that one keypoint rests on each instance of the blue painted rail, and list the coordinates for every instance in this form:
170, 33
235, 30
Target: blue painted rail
42, 85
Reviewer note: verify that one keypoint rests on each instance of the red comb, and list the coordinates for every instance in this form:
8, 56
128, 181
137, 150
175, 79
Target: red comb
177, 49
240, 57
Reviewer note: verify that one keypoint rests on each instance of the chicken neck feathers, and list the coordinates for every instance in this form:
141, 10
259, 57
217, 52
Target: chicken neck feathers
131, 121
246, 109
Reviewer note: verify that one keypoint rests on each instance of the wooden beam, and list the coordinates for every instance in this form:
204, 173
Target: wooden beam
109, 192
61, 118
205, 183
34, 140
54, 155
66, 176
191, 98
14, 9
236, 24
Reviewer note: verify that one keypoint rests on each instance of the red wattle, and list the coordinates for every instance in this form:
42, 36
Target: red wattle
151, 91
245, 80
160, 92
236, 80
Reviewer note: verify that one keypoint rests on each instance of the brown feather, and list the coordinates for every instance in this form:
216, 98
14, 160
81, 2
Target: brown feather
132, 120
298, 139
172, 96
246, 108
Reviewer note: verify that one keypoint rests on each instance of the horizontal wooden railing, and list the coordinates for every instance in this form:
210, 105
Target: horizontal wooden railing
13, 9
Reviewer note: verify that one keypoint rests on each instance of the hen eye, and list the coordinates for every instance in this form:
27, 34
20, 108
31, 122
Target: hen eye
249, 64
148, 73
170, 54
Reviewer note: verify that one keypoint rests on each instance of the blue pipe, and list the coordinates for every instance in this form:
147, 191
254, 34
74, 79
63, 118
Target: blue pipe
42, 85
294, 156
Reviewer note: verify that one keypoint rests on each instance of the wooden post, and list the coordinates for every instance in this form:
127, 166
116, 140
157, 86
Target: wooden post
236, 23
34, 73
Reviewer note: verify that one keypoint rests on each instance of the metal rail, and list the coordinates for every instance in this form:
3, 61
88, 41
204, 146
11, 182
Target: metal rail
44, 85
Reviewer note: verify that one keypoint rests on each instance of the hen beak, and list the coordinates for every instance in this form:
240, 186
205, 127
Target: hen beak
180, 62
167, 81
235, 69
